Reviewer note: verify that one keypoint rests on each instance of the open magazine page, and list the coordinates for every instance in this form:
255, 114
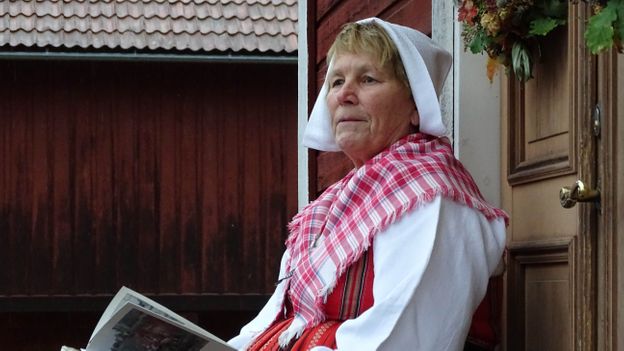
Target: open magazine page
126, 295
131, 303
115, 304
136, 328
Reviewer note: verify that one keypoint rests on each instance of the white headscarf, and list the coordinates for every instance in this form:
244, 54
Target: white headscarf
426, 66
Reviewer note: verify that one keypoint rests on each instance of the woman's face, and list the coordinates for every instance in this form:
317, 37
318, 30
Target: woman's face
369, 107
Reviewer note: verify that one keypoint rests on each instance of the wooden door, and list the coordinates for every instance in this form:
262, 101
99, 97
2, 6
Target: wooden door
561, 263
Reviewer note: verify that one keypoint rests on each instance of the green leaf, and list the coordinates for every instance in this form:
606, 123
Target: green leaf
543, 25
479, 42
619, 22
599, 32
521, 62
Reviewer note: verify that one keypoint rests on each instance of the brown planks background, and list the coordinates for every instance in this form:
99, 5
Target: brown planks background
175, 179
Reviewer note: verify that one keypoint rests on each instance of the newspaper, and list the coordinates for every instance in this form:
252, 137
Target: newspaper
133, 322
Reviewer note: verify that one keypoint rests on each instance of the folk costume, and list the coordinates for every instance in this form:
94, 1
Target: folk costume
396, 255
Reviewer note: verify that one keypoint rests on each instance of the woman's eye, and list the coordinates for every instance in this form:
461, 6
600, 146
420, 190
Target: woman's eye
336, 82
369, 79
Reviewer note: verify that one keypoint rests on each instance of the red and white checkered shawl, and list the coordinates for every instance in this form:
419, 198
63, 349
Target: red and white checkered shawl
413, 171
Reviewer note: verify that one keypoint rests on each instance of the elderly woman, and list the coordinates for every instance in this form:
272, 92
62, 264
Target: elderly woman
397, 254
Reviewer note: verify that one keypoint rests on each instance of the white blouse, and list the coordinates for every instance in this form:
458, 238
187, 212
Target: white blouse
431, 272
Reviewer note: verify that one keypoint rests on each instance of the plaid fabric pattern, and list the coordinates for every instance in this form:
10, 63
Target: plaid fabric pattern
413, 171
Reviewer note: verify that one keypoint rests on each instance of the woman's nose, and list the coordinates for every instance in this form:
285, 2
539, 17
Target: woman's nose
347, 94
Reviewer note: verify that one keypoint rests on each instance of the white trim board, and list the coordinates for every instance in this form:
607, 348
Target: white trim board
470, 105
302, 105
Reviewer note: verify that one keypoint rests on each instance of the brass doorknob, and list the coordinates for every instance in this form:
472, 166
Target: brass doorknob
569, 196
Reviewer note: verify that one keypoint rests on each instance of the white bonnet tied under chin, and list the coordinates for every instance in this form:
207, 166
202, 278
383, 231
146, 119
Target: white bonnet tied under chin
426, 66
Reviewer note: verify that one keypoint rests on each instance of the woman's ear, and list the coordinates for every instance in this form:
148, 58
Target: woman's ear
415, 117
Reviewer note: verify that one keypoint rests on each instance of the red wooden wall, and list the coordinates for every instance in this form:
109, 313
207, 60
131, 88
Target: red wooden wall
175, 179
325, 18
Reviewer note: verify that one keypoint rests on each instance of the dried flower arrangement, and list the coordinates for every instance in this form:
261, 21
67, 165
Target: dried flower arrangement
511, 31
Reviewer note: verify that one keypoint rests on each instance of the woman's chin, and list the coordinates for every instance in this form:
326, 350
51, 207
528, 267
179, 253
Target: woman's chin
348, 145
358, 151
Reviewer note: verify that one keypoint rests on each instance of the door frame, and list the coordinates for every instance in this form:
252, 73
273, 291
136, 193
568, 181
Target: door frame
610, 268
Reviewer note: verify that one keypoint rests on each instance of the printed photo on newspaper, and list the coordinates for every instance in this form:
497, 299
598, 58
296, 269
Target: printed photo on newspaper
133, 322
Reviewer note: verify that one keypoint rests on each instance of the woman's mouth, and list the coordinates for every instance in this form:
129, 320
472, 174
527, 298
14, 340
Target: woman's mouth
349, 119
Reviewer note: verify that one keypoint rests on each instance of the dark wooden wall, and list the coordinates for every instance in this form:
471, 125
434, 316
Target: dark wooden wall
326, 18
175, 179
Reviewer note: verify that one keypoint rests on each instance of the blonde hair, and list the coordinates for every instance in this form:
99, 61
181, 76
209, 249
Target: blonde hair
369, 38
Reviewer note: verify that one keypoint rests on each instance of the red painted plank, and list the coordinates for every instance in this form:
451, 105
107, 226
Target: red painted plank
61, 142
210, 178
345, 11
231, 153
124, 144
253, 189
149, 101
412, 13
20, 185
40, 238
169, 222
188, 170
83, 154
6, 107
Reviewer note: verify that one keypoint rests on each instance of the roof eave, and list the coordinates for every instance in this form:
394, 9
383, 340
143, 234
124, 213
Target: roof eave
290, 58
